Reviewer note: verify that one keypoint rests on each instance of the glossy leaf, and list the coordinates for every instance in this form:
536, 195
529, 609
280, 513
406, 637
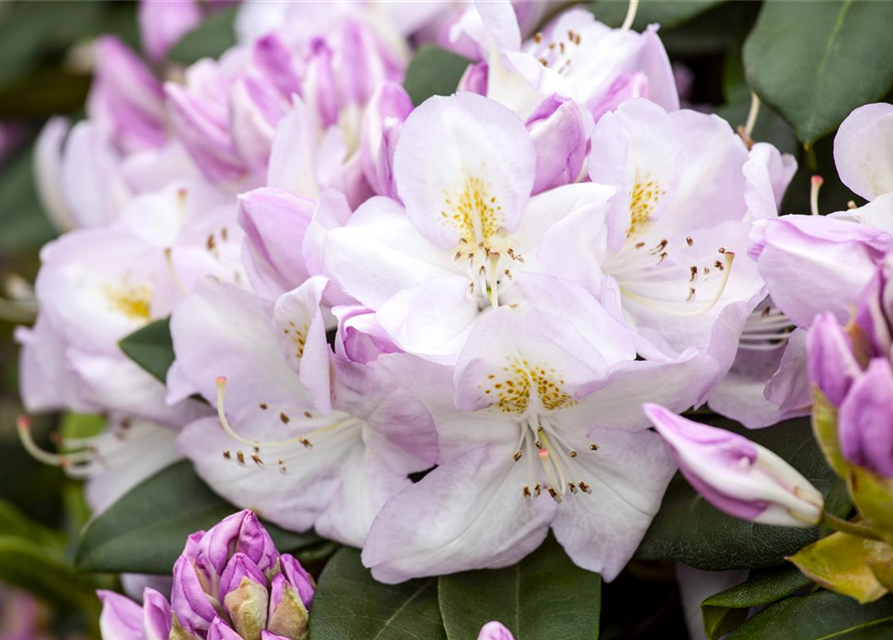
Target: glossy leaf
814, 62
840, 563
666, 13
146, 529
545, 595
433, 72
209, 40
688, 529
151, 348
820, 616
725, 611
349, 603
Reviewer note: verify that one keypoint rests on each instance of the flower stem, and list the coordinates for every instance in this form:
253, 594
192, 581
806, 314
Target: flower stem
849, 527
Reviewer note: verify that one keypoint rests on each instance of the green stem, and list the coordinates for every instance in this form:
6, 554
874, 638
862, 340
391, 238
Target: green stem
849, 527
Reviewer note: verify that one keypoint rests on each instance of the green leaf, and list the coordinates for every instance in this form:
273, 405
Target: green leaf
151, 348
820, 616
145, 531
543, 596
349, 603
25, 227
725, 611
14, 522
433, 72
666, 13
814, 62
209, 40
689, 529
31, 566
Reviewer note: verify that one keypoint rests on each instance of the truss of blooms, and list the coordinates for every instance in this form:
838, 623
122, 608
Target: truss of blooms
438, 332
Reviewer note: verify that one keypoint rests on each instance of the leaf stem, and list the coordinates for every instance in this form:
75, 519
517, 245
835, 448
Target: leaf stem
849, 527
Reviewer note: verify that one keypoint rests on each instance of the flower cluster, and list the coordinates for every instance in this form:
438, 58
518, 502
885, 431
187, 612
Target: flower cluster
230, 583
478, 292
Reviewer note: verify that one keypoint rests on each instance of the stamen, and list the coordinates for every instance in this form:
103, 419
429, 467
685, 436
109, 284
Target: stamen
630, 15
169, 260
525, 491
585, 487
729, 257
23, 425
751, 119
814, 186
493, 271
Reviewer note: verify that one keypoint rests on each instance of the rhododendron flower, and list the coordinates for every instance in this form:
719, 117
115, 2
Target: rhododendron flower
311, 438
495, 631
575, 56
669, 254
539, 433
123, 619
469, 227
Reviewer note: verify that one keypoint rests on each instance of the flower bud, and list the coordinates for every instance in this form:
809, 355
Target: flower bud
495, 631
865, 421
290, 599
243, 592
388, 108
832, 366
737, 476
320, 89
126, 99
163, 24
875, 312
123, 619
274, 221
219, 630
560, 129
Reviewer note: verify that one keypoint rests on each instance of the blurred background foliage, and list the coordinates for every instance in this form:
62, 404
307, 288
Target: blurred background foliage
46, 67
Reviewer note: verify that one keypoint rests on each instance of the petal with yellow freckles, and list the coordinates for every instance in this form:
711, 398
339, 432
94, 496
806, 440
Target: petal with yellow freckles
464, 166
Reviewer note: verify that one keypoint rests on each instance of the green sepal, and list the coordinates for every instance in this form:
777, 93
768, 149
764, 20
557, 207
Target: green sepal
247, 607
873, 496
840, 563
824, 426
290, 619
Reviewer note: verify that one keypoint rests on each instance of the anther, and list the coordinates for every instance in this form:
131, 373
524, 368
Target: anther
691, 294
572, 487
689, 241
284, 418
257, 460
585, 487
305, 442
525, 491
539, 445
537, 489
240, 457
572, 453
593, 447
555, 496
694, 273
517, 455
227, 454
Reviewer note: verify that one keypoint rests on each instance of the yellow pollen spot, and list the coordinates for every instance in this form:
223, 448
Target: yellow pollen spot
472, 210
645, 197
513, 393
133, 301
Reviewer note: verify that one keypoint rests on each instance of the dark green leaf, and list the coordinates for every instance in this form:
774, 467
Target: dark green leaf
814, 62
726, 610
209, 40
433, 72
820, 616
690, 530
146, 530
349, 603
25, 227
543, 596
44, 93
770, 126
151, 348
30, 31
666, 13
